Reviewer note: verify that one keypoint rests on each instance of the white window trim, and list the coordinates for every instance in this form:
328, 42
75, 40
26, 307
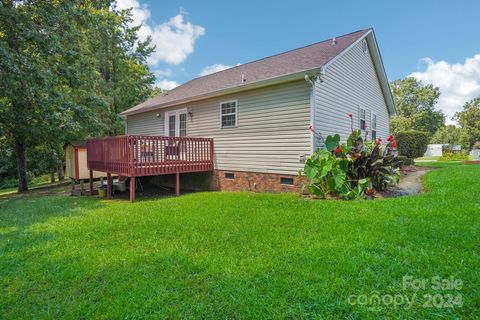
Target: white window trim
360, 118
236, 114
177, 114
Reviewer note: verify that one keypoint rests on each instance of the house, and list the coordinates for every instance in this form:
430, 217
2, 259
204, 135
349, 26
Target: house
258, 113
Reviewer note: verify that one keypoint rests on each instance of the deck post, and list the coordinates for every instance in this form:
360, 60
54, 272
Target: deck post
177, 184
132, 189
109, 186
90, 175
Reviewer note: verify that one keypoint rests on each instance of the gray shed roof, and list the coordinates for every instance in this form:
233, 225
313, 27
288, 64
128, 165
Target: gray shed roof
291, 62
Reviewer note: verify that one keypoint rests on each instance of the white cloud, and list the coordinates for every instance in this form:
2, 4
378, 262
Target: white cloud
166, 84
140, 13
214, 68
163, 73
174, 39
458, 82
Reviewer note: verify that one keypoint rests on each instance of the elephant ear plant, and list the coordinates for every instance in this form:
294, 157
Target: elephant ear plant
355, 169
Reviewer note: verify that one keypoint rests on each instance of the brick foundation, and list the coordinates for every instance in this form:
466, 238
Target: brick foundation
242, 181
254, 181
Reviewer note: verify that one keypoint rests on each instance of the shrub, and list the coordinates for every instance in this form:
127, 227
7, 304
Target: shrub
404, 161
412, 144
352, 169
476, 145
450, 156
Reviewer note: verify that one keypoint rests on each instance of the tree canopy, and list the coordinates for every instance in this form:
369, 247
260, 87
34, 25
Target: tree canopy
415, 104
469, 121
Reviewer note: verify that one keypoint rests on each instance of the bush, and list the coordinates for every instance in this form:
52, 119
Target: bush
450, 156
412, 144
354, 169
404, 161
476, 145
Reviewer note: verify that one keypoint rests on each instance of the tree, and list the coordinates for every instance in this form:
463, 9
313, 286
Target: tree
67, 68
156, 91
37, 52
120, 58
469, 121
415, 104
449, 134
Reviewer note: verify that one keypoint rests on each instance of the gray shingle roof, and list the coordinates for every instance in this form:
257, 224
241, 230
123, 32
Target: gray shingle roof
290, 62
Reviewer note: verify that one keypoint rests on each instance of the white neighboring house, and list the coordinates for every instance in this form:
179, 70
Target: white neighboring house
258, 113
434, 150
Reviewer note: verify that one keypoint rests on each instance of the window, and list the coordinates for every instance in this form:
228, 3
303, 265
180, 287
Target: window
228, 114
361, 116
183, 124
171, 126
374, 126
229, 175
287, 181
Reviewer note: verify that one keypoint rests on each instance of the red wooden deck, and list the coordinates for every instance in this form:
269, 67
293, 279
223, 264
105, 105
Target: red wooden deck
136, 156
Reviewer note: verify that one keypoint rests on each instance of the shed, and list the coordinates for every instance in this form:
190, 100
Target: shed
76, 162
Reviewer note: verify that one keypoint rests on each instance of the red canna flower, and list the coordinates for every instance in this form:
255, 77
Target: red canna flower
379, 140
350, 115
390, 139
338, 150
394, 144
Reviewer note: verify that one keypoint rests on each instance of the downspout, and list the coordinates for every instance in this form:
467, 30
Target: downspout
312, 111
312, 80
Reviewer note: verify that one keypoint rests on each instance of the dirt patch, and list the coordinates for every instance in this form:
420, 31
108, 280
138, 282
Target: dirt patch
472, 162
410, 182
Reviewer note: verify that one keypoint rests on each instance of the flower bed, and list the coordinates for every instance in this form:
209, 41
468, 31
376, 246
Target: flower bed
356, 169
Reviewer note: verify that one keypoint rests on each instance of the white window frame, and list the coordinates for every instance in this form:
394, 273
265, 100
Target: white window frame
236, 114
360, 118
177, 114
373, 114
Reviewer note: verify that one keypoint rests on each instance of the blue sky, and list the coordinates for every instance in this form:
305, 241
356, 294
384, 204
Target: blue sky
436, 41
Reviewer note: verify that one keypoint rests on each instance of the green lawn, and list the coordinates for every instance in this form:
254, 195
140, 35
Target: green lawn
241, 255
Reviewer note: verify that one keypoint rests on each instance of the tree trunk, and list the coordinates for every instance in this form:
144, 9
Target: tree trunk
52, 176
21, 166
61, 173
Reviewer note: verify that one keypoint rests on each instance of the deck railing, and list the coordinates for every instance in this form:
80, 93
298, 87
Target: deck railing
149, 155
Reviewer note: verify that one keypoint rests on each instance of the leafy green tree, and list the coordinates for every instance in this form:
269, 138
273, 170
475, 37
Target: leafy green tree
155, 92
37, 54
449, 134
67, 68
469, 121
415, 104
120, 58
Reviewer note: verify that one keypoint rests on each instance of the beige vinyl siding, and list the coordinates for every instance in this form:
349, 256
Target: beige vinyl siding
271, 132
146, 123
349, 83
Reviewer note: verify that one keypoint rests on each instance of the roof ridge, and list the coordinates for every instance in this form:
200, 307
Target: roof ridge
273, 55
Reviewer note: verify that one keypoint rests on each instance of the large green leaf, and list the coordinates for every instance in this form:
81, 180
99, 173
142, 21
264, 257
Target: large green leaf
340, 176
332, 142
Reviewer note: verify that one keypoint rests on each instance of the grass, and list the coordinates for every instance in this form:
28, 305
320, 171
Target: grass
240, 255
428, 158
